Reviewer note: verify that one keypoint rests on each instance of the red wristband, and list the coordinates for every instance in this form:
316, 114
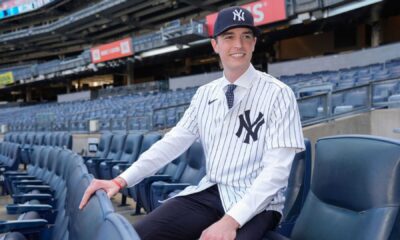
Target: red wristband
117, 183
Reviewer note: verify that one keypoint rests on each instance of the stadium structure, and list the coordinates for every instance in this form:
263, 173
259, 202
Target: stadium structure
106, 79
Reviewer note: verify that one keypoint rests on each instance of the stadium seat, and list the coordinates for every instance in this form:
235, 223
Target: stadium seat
170, 173
115, 226
103, 147
114, 153
129, 155
147, 141
297, 189
194, 171
354, 193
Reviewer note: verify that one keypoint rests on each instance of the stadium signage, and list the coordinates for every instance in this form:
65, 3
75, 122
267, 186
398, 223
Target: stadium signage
113, 50
10, 8
264, 12
6, 78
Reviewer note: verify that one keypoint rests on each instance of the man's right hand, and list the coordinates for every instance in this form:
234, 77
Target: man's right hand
107, 185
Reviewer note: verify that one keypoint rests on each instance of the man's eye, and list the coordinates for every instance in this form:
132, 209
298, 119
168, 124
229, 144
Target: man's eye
247, 36
227, 37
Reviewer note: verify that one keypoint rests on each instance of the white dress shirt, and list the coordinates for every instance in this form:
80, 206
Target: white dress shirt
249, 148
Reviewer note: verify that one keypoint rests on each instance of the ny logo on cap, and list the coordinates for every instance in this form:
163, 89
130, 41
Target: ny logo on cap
239, 14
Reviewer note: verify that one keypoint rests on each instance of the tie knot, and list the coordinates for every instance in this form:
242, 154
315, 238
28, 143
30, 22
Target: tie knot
231, 87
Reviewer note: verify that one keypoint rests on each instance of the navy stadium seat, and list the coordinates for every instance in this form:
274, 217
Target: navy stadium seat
355, 192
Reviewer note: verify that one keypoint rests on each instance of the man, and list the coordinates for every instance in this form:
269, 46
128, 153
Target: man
248, 124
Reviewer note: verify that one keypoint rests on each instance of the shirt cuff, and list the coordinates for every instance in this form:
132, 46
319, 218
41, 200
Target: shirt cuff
241, 213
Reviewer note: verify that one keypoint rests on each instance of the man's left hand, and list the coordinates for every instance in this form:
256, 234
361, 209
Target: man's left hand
224, 229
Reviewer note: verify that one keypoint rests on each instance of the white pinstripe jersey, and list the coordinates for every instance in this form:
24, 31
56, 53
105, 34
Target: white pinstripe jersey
265, 117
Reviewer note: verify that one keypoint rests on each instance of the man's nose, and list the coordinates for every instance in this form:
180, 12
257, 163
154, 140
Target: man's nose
238, 42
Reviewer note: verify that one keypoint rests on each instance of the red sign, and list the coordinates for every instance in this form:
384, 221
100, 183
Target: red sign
117, 49
264, 12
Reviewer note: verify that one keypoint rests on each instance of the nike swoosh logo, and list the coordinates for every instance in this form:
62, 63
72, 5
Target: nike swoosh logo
211, 101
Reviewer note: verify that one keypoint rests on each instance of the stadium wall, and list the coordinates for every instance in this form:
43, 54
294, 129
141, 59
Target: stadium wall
337, 61
193, 80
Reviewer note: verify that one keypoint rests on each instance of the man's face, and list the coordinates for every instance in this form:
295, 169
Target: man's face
235, 48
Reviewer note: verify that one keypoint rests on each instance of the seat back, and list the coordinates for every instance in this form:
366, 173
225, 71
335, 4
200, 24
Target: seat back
104, 145
195, 168
47, 139
116, 147
116, 227
149, 140
67, 140
131, 147
355, 190
38, 139
297, 189
86, 223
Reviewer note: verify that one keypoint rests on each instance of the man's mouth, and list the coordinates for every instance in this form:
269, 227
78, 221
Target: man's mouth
237, 55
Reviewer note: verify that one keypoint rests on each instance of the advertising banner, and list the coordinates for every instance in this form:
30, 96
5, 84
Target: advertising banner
114, 50
6, 78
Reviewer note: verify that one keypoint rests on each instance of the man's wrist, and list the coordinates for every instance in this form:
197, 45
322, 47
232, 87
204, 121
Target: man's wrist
120, 182
231, 221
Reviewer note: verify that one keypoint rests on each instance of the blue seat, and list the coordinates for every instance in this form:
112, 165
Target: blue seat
103, 147
115, 226
170, 173
129, 154
147, 141
297, 189
115, 152
355, 192
194, 171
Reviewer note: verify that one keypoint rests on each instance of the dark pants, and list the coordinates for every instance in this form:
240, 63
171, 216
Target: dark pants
187, 216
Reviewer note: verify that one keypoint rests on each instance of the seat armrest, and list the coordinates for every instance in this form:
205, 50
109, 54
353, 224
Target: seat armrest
21, 198
99, 160
21, 177
25, 188
166, 188
160, 177
123, 166
14, 173
20, 225
28, 182
85, 158
111, 163
23, 208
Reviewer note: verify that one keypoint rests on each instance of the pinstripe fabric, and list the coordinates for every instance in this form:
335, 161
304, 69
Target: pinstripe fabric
234, 158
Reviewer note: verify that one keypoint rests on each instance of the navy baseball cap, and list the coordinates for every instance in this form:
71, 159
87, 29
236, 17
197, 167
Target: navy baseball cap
234, 17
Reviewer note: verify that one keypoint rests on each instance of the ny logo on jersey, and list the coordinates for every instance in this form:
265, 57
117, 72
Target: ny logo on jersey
239, 14
251, 127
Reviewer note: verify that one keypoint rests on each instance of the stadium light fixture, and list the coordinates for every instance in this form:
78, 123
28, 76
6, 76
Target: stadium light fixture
160, 51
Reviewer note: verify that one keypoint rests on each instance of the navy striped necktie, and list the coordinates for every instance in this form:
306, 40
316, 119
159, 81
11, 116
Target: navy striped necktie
229, 95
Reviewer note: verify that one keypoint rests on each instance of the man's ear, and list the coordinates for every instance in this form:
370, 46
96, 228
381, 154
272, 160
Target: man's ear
214, 44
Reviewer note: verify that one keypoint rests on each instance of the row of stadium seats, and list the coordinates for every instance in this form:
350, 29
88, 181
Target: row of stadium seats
158, 110
28, 139
129, 112
47, 197
186, 170
345, 78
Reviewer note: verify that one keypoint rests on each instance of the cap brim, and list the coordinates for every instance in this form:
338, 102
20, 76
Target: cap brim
256, 30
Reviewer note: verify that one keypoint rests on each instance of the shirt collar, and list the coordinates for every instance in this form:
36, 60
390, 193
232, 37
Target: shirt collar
245, 80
